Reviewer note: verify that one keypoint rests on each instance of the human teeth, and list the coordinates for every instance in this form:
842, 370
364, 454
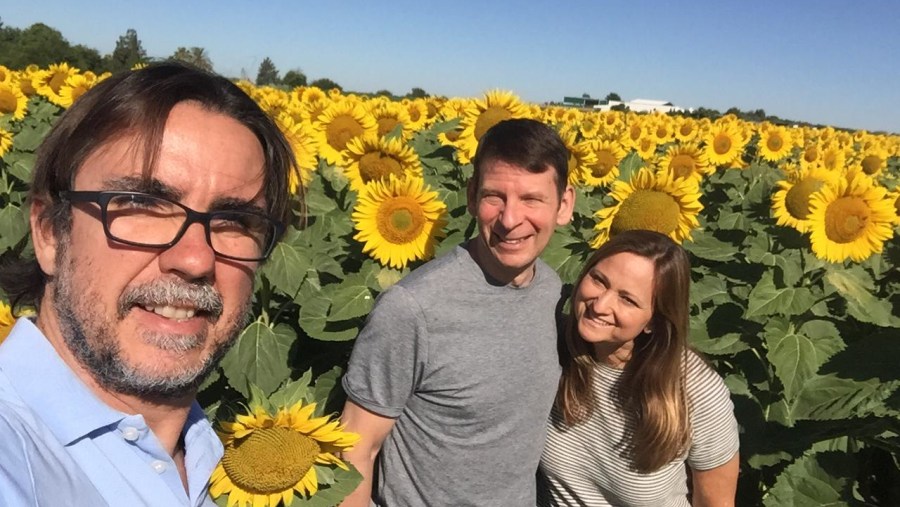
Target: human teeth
172, 312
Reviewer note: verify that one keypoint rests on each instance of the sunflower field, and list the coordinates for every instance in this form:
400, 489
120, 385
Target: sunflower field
792, 231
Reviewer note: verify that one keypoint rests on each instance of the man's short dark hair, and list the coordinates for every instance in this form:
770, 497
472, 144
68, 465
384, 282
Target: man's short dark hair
526, 143
137, 104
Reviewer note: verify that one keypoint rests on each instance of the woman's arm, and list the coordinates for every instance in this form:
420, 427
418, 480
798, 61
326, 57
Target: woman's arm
716, 487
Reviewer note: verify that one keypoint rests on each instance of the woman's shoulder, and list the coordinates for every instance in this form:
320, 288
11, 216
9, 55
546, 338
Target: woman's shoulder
701, 379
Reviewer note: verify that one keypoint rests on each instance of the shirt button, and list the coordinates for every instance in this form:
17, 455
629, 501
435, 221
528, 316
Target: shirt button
130, 433
159, 466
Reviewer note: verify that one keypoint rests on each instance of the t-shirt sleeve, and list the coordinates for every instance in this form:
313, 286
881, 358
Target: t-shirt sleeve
714, 428
389, 355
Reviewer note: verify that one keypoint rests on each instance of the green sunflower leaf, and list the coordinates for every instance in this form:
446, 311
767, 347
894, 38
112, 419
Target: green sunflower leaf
767, 299
287, 267
14, 226
828, 397
345, 481
313, 313
707, 247
293, 392
806, 484
798, 354
260, 357
856, 286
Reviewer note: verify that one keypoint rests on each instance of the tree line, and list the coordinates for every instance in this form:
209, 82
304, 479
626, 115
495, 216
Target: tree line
43, 45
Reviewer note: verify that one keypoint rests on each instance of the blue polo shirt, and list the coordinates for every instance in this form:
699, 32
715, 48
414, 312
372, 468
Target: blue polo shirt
61, 445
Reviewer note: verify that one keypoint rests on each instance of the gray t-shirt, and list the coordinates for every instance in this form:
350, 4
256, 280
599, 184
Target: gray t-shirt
469, 370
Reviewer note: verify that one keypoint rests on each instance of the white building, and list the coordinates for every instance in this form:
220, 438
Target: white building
642, 106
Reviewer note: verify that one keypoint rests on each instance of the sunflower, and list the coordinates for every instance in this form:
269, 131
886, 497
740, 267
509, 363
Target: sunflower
590, 126
337, 125
724, 144
12, 100
686, 161
833, 156
419, 114
6, 75
851, 219
662, 129
635, 130
269, 458
775, 143
651, 201
75, 86
483, 114
790, 203
373, 158
873, 160
605, 169
390, 115
49, 82
6, 320
895, 198
398, 220
686, 129
302, 139
581, 156
6, 141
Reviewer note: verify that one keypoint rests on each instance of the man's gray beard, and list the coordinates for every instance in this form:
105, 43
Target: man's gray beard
101, 355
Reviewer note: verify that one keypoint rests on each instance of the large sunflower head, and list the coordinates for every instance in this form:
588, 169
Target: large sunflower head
685, 161
483, 114
374, 158
654, 201
268, 458
724, 143
850, 220
399, 220
775, 143
338, 124
605, 168
790, 203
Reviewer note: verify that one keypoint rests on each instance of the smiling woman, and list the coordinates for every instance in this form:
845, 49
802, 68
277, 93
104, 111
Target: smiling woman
634, 403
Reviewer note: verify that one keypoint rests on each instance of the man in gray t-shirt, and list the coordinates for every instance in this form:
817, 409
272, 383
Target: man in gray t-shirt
452, 378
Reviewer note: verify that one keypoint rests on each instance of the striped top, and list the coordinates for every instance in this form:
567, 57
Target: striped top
587, 464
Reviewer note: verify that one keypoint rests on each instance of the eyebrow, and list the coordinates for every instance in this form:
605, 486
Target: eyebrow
157, 188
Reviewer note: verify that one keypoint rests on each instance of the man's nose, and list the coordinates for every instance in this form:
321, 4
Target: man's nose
192, 256
511, 215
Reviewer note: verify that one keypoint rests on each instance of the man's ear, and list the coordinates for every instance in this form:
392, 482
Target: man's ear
566, 206
43, 237
472, 197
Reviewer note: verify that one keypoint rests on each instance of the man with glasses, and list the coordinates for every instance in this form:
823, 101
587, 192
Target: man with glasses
154, 200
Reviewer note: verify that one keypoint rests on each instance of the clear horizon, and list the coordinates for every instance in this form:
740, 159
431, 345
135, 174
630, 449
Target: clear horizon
829, 62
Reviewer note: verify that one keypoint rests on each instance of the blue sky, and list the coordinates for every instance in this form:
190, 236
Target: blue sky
827, 61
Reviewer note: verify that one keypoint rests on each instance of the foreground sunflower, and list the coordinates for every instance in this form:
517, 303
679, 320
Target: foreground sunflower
398, 220
12, 101
790, 204
654, 201
6, 141
270, 458
850, 220
775, 143
605, 169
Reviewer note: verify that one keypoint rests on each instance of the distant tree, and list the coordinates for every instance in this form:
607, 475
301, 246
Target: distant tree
267, 74
585, 95
198, 57
384, 93
294, 78
326, 84
127, 54
733, 110
42, 45
417, 93
613, 96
